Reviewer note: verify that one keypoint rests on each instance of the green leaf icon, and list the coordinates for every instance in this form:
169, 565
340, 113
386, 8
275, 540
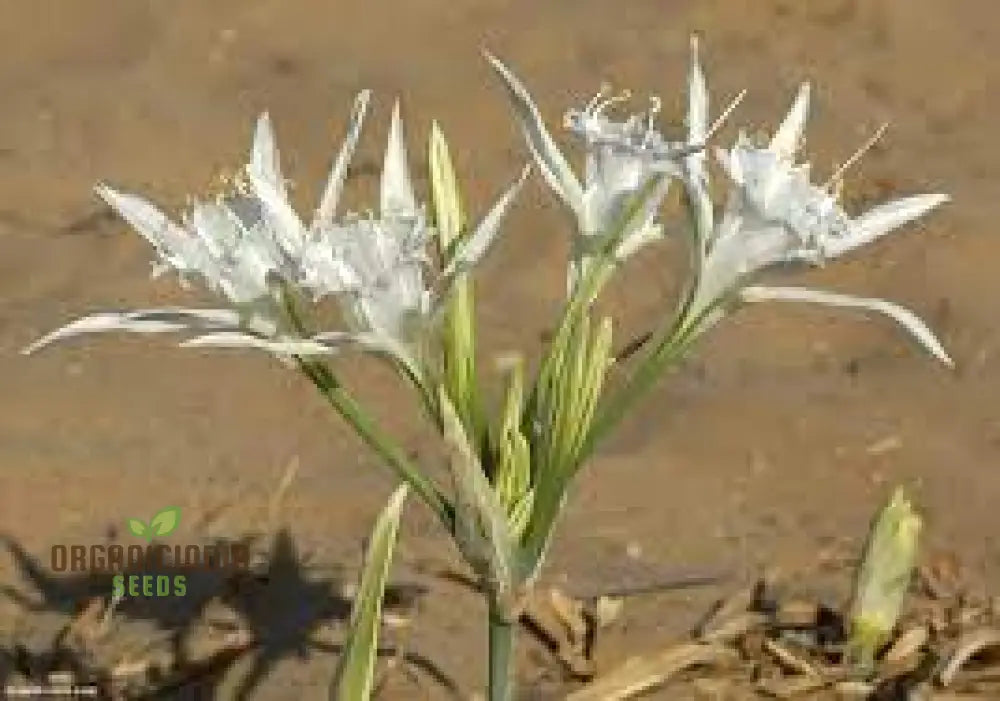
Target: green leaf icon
137, 527
165, 521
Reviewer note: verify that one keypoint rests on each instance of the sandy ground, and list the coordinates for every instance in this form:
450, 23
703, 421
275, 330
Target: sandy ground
778, 439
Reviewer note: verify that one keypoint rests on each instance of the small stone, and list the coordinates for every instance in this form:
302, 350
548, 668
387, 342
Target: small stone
888, 444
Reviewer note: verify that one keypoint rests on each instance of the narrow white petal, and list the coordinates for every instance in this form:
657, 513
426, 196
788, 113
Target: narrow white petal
551, 163
375, 343
695, 171
902, 316
641, 228
788, 137
474, 247
140, 321
265, 160
169, 239
884, 218
697, 116
284, 221
279, 346
397, 198
370, 342
338, 171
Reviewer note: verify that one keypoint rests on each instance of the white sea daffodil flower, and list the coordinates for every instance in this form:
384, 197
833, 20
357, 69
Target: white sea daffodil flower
775, 215
251, 247
244, 245
623, 158
377, 266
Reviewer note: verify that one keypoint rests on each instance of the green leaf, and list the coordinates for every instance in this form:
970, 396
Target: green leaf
448, 216
459, 335
513, 477
482, 532
137, 527
566, 394
165, 521
353, 680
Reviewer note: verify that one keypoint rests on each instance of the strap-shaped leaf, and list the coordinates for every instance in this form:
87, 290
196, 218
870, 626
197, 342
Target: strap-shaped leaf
481, 529
448, 215
353, 680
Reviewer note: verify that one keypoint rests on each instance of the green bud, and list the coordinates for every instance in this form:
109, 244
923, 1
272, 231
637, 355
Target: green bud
883, 579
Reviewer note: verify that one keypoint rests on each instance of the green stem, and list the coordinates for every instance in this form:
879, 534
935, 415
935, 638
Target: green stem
501, 641
362, 424
347, 407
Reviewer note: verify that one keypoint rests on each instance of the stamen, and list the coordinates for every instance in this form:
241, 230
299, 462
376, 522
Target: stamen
601, 92
655, 105
631, 124
839, 172
720, 120
602, 106
837, 190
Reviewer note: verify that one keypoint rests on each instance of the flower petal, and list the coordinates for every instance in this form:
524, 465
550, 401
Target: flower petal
902, 316
265, 160
641, 228
474, 247
551, 163
884, 218
397, 198
697, 115
338, 172
788, 137
285, 224
141, 321
695, 171
287, 346
171, 242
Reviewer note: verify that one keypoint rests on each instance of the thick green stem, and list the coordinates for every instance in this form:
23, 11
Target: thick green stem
501, 674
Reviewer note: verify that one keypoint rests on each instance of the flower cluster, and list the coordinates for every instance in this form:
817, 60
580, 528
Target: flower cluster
773, 214
251, 247
399, 276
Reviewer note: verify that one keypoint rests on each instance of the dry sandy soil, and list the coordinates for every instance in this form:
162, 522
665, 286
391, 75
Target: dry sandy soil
779, 437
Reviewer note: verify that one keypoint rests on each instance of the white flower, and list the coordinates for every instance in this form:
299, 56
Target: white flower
377, 267
623, 158
242, 245
251, 247
775, 215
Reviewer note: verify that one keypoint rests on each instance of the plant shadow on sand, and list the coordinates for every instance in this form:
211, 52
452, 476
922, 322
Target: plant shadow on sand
220, 640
